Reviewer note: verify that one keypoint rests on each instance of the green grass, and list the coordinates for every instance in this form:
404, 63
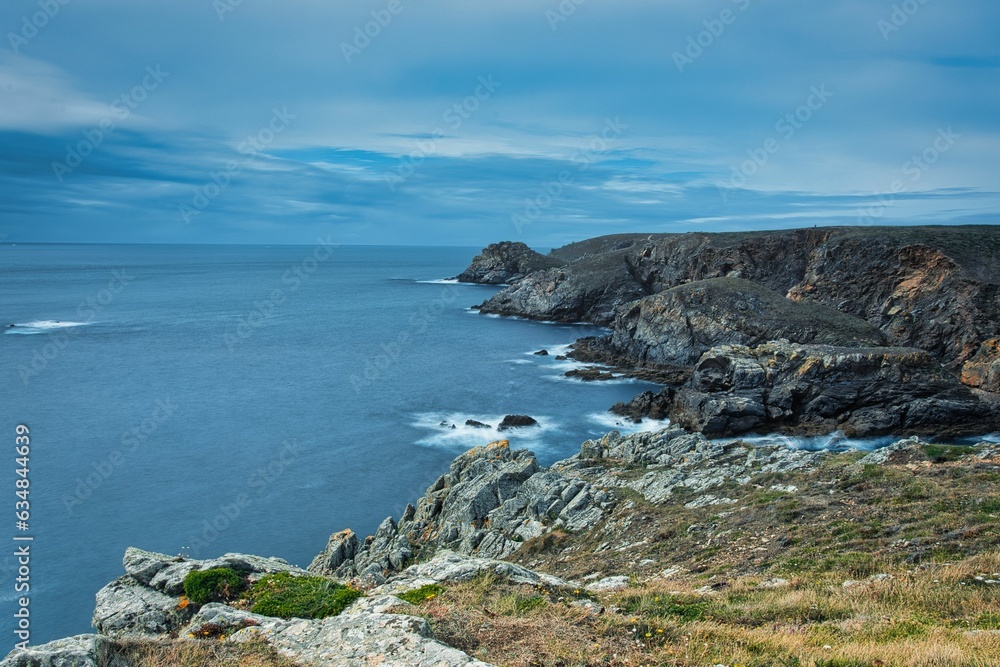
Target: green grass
422, 594
214, 585
286, 596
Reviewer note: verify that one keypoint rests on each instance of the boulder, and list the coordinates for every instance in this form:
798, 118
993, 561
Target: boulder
78, 651
516, 421
474, 424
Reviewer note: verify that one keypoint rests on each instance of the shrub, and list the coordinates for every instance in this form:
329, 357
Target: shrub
215, 585
286, 596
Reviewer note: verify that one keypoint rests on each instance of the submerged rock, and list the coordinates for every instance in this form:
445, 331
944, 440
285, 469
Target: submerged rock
516, 421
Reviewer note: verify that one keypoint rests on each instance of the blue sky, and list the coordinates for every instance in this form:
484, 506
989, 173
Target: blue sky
447, 122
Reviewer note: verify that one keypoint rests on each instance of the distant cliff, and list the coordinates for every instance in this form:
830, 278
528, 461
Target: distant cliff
670, 298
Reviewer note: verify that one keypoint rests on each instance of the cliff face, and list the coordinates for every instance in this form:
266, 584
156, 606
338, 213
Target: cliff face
936, 288
676, 326
819, 389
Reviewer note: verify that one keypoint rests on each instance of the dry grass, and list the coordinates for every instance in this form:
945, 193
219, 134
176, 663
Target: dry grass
938, 616
196, 653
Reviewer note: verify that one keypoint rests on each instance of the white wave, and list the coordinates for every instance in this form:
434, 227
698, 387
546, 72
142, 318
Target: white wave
439, 281
42, 326
609, 421
519, 362
448, 430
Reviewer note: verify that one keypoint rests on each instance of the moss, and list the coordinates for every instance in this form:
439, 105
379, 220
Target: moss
944, 453
286, 596
422, 594
214, 585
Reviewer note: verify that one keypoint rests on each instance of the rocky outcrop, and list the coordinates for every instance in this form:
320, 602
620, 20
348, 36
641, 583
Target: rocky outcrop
814, 388
505, 262
491, 500
982, 371
676, 326
516, 421
935, 288
589, 290
147, 600
78, 651
677, 460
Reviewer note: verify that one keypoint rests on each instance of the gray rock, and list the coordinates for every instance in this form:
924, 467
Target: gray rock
609, 584
774, 582
883, 455
78, 651
126, 606
488, 504
360, 640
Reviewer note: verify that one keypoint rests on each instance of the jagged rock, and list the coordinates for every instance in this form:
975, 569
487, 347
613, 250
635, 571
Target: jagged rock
516, 421
935, 288
816, 388
78, 651
647, 405
677, 459
341, 548
490, 502
474, 424
676, 326
505, 262
983, 370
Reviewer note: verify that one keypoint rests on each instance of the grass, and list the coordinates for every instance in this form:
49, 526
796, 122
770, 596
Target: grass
195, 653
283, 595
422, 594
215, 585
918, 617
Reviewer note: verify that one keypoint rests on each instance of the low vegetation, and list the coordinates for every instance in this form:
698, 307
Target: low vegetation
286, 596
215, 585
193, 653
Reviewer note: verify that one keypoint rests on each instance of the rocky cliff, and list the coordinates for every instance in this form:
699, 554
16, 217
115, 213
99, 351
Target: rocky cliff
627, 522
670, 298
936, 288
504, 262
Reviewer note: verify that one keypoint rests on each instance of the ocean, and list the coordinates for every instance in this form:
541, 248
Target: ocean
200, 400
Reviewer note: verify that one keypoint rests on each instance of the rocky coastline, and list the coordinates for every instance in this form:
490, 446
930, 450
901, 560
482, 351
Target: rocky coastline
798, 331
625, 551
584, 532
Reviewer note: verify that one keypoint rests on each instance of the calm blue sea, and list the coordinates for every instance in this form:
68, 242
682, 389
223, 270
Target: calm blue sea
205, 399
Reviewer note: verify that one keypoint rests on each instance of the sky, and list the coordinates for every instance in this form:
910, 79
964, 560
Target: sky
452, 122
